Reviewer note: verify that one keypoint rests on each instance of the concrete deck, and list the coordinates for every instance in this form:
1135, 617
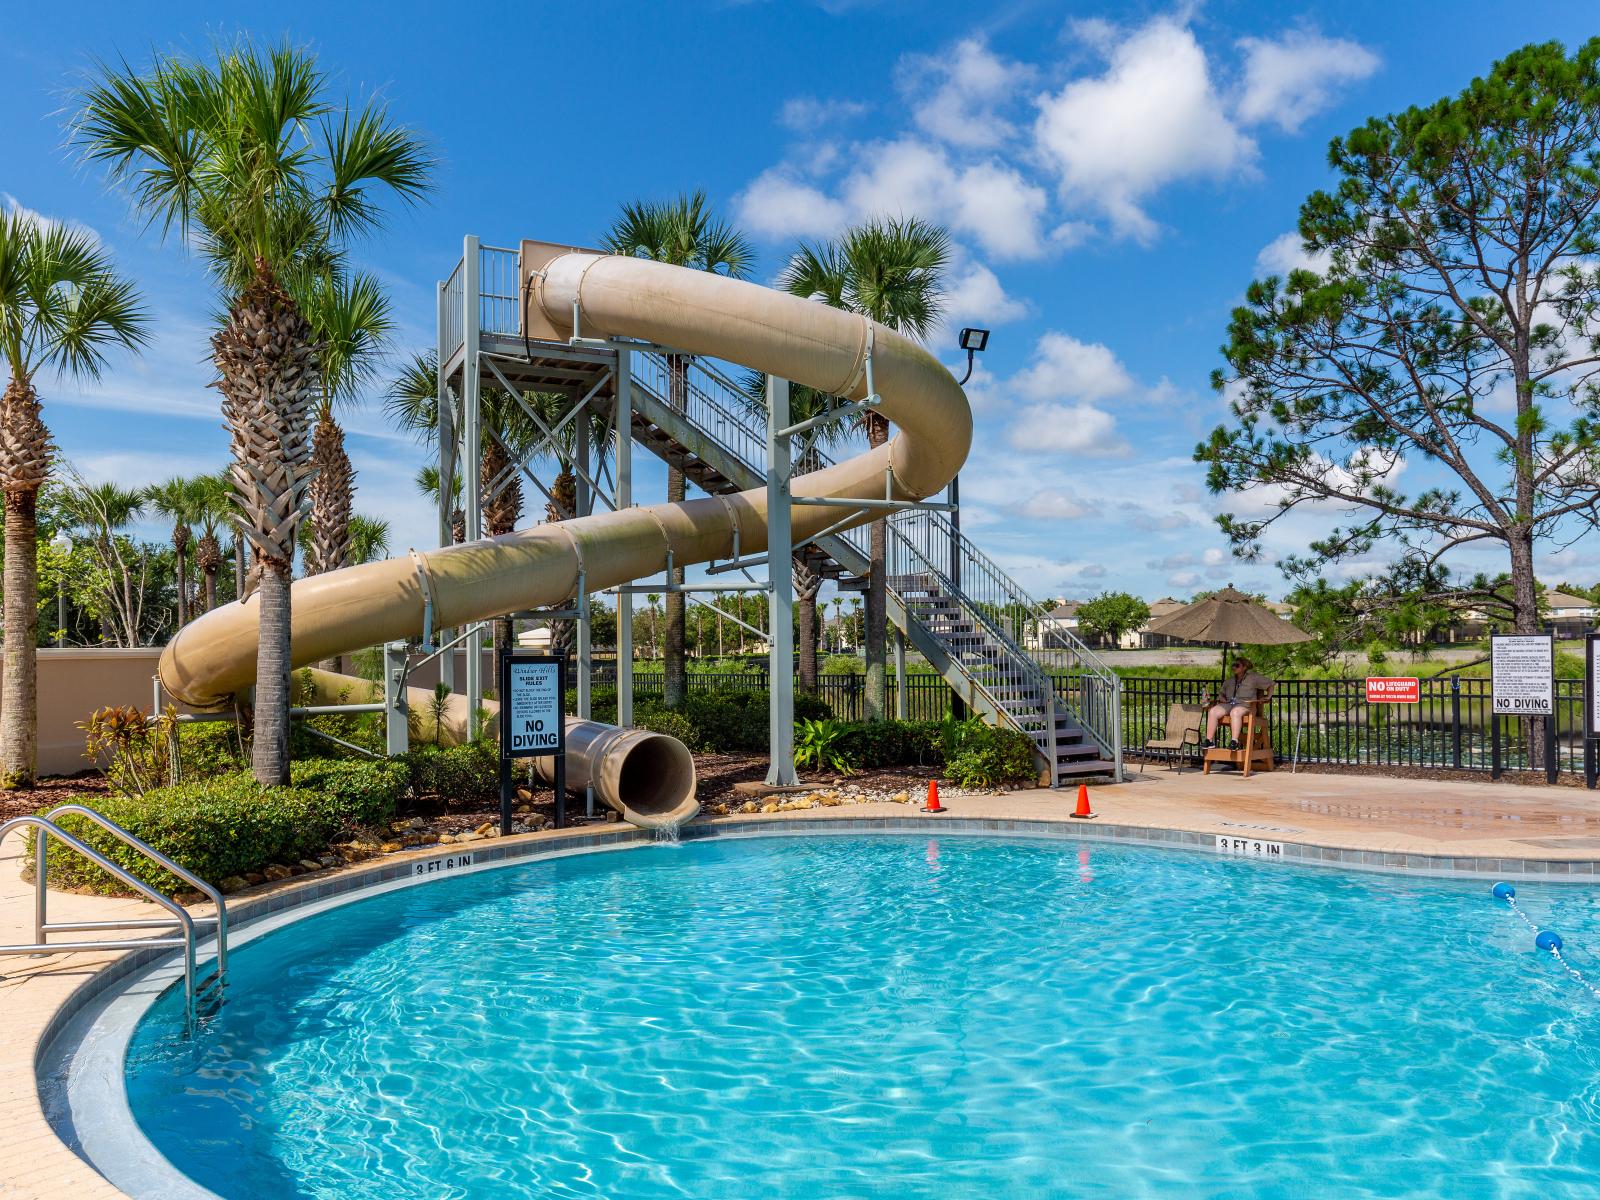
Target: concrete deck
1369, 820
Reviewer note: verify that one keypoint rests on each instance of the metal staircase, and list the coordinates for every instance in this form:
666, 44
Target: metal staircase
954, 604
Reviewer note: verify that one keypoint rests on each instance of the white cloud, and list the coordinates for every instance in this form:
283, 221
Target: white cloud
975, 295
958, 95
1064, 368
1286, 253
1079, 429
1054, 504
991, 202
1151, 119
35, 217
1184, 580
806, 114
777, 204
1290, 79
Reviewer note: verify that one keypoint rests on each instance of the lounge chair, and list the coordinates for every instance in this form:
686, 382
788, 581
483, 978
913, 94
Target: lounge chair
1184, 722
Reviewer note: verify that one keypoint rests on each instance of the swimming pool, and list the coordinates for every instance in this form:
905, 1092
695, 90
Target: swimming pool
892, 1016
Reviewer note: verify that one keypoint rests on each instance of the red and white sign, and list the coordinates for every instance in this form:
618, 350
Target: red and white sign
1381, 690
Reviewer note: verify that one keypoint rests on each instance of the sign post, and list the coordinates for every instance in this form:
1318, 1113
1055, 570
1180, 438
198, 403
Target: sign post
1522, 684
532, 690
1591, 712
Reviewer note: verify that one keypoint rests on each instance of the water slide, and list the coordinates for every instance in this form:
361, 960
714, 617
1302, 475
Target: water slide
647, 778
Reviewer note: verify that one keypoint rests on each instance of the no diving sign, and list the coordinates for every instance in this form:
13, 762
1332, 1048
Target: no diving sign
531, 720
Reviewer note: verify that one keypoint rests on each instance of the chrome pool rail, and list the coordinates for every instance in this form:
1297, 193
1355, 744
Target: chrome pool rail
184, 926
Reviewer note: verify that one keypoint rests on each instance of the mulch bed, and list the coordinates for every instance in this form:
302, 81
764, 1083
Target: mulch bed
719, 772
83, 788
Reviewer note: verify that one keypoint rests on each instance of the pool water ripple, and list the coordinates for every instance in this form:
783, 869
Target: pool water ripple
893, 1016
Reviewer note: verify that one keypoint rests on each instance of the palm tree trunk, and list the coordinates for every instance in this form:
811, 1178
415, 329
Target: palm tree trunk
675, 668
211, 590
19, 696
180, 550
808, 586
266, 359
332, 501
876, 697
269, 752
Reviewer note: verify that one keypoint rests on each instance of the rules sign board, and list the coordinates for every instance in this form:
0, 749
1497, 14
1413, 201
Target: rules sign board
1522, 674
533, 702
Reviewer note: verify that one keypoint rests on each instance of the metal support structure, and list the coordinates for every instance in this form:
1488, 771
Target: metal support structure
397, 715
445, 416
471, 454
958, 706
622, 432
780, 596
901, 706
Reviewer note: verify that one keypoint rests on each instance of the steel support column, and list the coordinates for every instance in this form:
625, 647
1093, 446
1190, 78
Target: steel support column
471, 455
445, 418
780, 612
900, 698
623, 434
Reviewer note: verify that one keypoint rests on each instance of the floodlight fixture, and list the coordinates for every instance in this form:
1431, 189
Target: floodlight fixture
972, 341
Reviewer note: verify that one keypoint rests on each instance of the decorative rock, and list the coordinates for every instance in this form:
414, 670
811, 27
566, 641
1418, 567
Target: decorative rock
399, 826
829, 800
749, 806
418, 823
411, 839
493, 833
469, 837
483, 830
769, 808
189, 898
390, 847
311, 864
720, 810
524, 794
276, 873
613, 817
330, 860
251, 877
901, 797
232, 884
447, 839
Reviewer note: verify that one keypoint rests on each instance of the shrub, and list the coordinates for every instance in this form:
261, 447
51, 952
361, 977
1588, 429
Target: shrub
456, 773
670, 722
811, 708
210, 748
990, 757
133, 754
216, 828
843, 664
819, 746
894, 743
354, 791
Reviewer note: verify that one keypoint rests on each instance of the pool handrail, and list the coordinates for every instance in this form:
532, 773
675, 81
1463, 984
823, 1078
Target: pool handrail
181, 919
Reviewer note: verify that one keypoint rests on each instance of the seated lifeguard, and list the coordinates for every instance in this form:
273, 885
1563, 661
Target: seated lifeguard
1239, 691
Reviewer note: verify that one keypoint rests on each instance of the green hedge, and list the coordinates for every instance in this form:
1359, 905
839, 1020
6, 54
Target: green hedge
470, 772
228, 825
970, 753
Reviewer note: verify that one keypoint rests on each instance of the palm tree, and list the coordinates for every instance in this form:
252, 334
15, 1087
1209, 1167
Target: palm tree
891, 270
248, 160
62, 308
213, 510
428, 485
351, 320
102, 511
682, 232
178, 500
369, 539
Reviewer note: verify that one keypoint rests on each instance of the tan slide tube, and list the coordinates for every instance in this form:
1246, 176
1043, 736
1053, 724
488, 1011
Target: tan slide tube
693, 311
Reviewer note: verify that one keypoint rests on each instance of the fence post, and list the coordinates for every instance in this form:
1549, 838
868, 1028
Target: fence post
1552, 767
1494, 741
1455, 721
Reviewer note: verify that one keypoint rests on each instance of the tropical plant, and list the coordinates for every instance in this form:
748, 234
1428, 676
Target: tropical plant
102, 511
684, 233
178, 500
891, 270
819, 746
213, 510
350, 319
250, 161
428, 484
62, 308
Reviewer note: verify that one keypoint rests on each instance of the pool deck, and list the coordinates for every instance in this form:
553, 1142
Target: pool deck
1363, 820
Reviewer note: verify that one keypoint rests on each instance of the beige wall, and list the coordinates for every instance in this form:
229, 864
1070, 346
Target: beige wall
75, 681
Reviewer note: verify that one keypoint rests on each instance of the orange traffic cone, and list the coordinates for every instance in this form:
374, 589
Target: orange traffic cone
933, 805
1083, 803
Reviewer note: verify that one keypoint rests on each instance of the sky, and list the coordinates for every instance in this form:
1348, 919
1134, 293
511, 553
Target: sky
1113, 175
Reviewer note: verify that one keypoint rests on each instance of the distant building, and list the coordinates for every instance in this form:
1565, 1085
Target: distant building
1052, 628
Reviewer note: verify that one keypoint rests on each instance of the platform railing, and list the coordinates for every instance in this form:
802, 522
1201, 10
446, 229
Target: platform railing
185, 926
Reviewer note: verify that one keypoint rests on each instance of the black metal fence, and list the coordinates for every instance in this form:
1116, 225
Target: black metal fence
1330, 721
927, 696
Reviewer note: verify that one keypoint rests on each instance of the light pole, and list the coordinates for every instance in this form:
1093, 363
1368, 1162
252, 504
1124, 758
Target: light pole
973, 341
63, 544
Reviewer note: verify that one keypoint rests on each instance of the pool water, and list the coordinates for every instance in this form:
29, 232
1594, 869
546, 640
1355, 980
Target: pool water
895, 1016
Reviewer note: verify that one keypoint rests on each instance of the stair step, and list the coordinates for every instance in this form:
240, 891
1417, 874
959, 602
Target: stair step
1087, 766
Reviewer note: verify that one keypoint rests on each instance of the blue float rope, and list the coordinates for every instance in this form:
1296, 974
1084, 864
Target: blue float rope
1544, 939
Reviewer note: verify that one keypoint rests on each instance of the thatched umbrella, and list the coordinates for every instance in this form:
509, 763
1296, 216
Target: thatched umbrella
1228, 618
